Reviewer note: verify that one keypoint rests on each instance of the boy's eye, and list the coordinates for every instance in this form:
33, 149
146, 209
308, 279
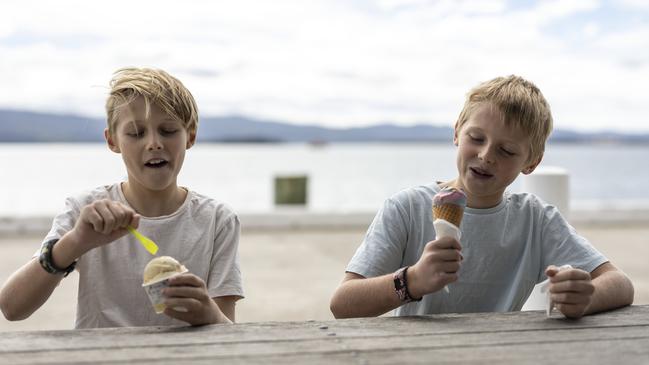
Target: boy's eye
135, 134
475, 138
169, 131
507, 152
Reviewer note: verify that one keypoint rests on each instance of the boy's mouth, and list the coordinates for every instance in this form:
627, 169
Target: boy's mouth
480, 173
156, 163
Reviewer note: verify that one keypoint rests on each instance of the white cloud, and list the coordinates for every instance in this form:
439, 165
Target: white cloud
340, 63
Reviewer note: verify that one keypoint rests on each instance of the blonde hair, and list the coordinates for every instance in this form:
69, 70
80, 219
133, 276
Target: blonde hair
521, 104
155, 87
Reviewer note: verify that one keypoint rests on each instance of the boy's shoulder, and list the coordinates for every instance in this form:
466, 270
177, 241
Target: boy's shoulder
416, 194
522, 200
100, 192
201, 203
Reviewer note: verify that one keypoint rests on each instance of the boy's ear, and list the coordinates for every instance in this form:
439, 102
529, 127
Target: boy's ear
111, 143
191, 140
455, 139
532, 166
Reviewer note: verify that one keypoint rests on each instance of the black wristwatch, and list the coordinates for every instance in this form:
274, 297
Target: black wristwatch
45, 259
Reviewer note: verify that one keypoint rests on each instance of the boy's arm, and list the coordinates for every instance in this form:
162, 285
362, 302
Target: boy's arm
227, 305
613, 289
30, 287
577, 293
99, 223
360, 297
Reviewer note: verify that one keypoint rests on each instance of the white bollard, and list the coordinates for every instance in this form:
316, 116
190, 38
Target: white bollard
552, 185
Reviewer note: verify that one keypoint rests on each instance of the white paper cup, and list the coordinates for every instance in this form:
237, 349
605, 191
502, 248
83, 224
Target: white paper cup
154, 291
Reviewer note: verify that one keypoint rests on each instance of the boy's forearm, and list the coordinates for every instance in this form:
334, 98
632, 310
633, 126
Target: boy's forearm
30, 287
26, 291
67, 250
365, 297
613, 289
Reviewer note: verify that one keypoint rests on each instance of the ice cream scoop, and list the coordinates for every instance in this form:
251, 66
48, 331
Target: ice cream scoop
448, 210
160, 268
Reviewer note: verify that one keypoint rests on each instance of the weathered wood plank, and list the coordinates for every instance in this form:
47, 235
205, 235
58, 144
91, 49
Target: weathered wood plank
367, 327
621, 334
329, 346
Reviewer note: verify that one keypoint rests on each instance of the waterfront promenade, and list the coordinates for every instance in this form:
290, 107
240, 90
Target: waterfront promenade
290, 270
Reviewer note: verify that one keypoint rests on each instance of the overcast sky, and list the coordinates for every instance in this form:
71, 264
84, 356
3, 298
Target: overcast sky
338, 63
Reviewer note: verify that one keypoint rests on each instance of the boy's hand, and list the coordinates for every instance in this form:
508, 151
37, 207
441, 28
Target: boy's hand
188, 294
103, 221
571, 290
437, 267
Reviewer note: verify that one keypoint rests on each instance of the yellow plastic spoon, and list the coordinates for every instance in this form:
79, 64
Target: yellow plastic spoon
148, 244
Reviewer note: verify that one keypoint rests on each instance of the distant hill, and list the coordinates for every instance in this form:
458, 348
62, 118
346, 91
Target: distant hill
24, 126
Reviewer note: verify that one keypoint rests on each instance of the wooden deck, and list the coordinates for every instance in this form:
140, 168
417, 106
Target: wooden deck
616, 337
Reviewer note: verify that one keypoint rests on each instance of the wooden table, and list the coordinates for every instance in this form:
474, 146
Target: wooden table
616, 337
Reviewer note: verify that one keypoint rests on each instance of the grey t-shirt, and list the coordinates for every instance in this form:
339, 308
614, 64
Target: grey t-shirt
505, 248
202, 234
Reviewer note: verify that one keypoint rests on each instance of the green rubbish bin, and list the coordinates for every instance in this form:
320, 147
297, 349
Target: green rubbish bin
291, 190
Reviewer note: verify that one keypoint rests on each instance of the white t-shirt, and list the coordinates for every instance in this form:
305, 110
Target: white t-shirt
202, 234
505, 248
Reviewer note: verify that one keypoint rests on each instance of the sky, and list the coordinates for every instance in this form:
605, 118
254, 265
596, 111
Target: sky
336, 63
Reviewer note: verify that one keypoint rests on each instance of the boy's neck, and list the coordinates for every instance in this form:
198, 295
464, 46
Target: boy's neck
151, 203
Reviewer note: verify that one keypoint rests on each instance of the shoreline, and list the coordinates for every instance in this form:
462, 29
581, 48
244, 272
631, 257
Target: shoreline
303, 219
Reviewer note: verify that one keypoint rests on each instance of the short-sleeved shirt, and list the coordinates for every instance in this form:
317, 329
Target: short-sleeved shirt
202, 234
506, 249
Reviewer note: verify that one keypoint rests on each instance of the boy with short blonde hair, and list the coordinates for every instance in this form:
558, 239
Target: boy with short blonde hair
509, 242
152, 120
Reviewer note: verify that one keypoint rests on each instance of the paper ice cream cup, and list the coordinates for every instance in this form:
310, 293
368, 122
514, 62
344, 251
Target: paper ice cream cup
154, 291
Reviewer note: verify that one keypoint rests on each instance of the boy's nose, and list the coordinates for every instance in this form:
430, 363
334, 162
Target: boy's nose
486, 155
154, 143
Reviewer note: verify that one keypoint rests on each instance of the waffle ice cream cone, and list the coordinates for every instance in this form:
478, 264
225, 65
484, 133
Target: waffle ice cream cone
448, 204
449, 212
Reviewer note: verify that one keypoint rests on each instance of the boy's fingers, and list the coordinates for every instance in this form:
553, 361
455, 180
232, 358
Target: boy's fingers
106, 216
551, 270
571, 274
575, 286
94, 219
449, 277
570, 298
446, 242
452, 255
184, 291
121, 214
187, 279
189, 304
135, 220
449, 267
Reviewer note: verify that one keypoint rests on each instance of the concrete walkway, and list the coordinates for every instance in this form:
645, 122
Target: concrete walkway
291, 274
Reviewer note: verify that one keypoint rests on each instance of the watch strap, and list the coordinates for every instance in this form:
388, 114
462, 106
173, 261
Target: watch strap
401, 286
47, 263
